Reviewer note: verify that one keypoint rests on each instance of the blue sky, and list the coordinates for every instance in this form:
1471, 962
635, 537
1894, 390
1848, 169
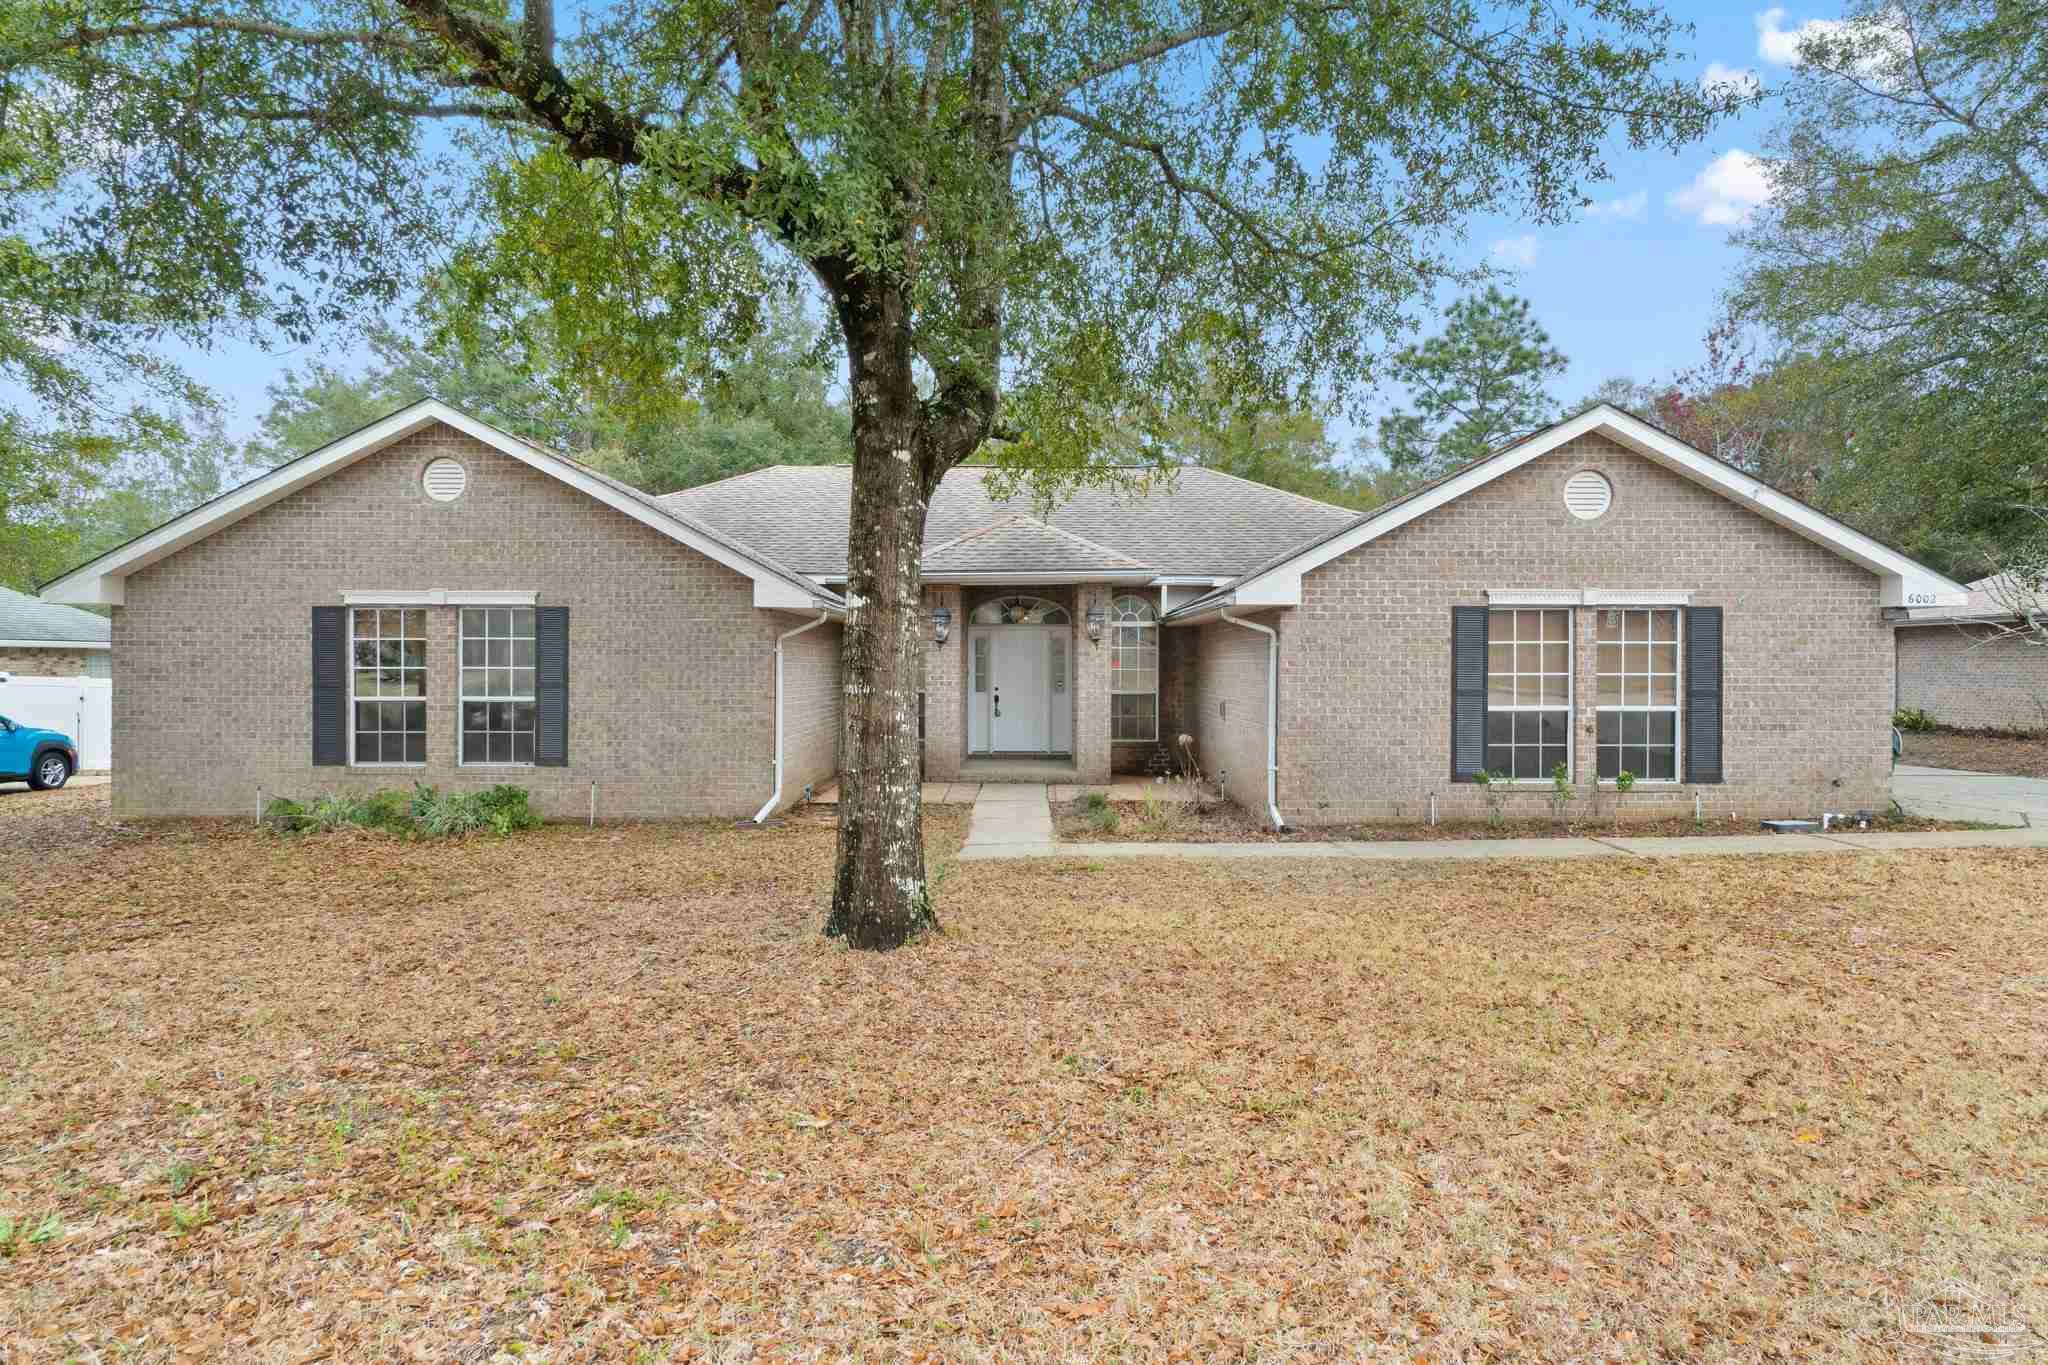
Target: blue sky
1628, 289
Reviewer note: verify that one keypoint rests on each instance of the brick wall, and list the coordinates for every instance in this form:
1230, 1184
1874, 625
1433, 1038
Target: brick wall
671, 667
1226, 701
1091, 685
1365, 690
46, 663
945, 689
1967, 677
810, 710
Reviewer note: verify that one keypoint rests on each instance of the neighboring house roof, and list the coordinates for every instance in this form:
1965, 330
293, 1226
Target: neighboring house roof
26, 623
997, 550
1277, 580
1993, 598
1200, 523
100, 580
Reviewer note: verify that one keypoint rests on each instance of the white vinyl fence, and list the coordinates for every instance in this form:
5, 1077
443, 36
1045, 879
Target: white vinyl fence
82, 708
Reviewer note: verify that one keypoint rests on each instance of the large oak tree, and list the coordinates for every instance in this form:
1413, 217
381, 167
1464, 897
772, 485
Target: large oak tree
1027, 220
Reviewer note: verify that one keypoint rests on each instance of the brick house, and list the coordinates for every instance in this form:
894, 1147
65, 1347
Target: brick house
1965, 667
430, 598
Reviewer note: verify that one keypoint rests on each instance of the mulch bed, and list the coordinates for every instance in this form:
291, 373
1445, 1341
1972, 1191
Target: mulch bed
608, 1095
1978, 753
1226, 823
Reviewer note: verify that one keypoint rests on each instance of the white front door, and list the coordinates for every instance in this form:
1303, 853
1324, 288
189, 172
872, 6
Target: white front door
1017, 697
1017, 691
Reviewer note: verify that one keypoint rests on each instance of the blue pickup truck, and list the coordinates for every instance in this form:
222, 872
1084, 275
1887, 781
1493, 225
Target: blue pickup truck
45, 759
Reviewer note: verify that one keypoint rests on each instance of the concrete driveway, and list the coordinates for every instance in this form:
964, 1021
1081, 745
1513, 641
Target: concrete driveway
1947, 794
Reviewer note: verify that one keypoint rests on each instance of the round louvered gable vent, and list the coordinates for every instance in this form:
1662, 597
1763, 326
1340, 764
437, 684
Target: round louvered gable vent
1588, 495
444, 480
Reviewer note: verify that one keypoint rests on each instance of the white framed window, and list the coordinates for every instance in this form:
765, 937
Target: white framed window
1133, 670
387, 686
1636, 692
1528, 692
497, 686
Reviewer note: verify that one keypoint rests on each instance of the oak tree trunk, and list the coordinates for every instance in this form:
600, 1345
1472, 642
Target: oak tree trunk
879, 896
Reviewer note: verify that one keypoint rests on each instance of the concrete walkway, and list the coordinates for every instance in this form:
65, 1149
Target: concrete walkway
1949, 794
1014, 820
1010, 815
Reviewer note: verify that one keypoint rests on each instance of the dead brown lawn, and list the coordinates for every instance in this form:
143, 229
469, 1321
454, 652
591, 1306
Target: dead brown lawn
606, 1095
1222, 822
1979, 753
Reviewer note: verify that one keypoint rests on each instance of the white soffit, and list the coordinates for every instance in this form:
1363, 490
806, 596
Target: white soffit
1906, 582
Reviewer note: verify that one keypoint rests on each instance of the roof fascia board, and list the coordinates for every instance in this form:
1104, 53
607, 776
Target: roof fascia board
100, 581
56, 644
1028, 579
1905, 582
771, 590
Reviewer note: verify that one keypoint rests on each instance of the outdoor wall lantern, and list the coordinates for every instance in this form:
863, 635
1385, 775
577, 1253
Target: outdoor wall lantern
942, 624
1096, 616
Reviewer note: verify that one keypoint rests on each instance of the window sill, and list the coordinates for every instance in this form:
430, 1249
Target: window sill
387, 765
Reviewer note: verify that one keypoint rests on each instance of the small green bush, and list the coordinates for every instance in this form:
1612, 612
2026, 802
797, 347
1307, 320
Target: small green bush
1098, 801
1913, 720
284, 813
502, 809
1103, 817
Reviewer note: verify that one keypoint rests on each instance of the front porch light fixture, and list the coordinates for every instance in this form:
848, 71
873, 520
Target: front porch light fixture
942, 624
1096, 616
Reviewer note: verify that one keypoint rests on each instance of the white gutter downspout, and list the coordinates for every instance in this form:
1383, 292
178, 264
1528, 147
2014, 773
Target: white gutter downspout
775, 797
1272, 713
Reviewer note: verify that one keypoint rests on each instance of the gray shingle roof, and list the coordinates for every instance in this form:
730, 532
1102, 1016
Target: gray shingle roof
25, 618
1024, 540
1204, 523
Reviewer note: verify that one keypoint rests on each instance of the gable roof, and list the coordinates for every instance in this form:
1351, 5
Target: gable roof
1201, 524
26, 622
996, 551
1277, 580
100, 580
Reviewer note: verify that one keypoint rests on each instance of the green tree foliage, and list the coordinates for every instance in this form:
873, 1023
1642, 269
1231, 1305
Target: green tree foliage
1025, 220
1472, 386
74, 393
1905, 247
773, 404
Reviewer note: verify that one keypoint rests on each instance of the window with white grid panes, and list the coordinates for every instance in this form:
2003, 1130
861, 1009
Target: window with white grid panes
1528, 692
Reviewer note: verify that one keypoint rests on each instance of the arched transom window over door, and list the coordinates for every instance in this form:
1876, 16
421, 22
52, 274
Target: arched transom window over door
1020, 611
1133, 671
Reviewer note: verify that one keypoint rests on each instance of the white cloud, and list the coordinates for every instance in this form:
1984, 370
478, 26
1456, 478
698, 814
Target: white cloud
1882, 40
1720, 78
1629, 206
1517, 251
1732, 188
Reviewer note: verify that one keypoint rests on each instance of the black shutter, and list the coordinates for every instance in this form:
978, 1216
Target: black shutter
1703, 694
1468, 692
330, 686
551, 687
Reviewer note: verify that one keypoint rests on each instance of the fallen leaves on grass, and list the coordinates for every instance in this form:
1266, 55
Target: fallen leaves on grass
1978, 753
349, 1097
